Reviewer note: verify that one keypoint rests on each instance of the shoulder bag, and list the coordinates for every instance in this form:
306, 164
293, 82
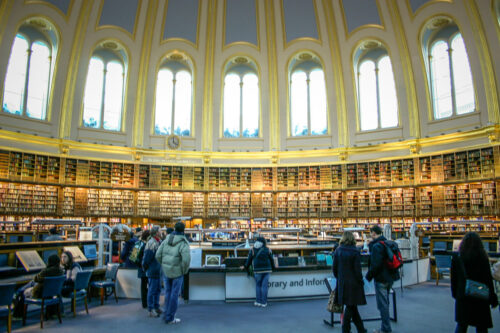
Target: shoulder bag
332, 306
473, 288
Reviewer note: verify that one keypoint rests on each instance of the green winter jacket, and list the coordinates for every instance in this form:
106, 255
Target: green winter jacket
174, 256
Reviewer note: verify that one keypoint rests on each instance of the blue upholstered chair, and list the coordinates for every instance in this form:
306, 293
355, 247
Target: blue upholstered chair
443, 266
108, 282
51, 295
6, 295
80, 291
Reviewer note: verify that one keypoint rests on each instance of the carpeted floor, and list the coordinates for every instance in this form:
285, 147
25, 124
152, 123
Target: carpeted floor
421, 309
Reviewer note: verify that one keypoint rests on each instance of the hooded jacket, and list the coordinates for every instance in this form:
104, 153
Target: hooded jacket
174, 255
376, 267
261, 257
150, 265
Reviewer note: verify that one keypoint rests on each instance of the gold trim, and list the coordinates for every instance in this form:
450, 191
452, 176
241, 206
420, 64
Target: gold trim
130, 152
224, 71
54, 7
286, 43
74, 62
5, 8
209, 76
422, 7
494, 11
257, 28
342, 122
125, 85
140, 104
272, 62
487, 68
178, 39
115, 27
364, 26
193, 92
408, 71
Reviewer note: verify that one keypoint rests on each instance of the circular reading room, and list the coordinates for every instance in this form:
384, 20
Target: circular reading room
250, 166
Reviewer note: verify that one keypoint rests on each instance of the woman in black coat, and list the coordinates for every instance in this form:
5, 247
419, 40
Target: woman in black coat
472, 311
350, 290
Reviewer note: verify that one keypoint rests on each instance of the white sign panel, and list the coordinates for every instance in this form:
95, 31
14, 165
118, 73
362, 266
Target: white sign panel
195, 257
281, 284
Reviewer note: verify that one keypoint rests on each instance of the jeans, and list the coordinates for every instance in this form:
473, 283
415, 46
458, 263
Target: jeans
351, 313
463, 329
261, 287
153, 293
382, 296
172, 290
144, 291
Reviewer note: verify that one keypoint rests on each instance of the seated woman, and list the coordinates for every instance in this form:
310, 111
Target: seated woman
70, 268
34, 288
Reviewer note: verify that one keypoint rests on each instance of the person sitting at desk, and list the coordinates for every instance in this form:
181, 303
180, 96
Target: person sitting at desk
34, 288
71, 268
53, 235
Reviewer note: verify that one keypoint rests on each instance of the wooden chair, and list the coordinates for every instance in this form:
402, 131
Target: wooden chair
51, 295
109, 282
6, 294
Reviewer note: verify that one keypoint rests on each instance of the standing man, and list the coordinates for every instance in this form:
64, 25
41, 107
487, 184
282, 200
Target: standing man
384, 277
175, 257
152, 268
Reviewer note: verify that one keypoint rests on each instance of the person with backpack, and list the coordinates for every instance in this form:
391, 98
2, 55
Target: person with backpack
260, 258
174, 255
350, 286
136, 257
379, 269
471, 267
127, 251
153, 270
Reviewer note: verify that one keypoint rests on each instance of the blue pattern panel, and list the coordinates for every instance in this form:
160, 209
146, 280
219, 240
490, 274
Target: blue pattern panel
300, 19
360, 12
120, 13
63, 5
181, 20
416, 4
241, 24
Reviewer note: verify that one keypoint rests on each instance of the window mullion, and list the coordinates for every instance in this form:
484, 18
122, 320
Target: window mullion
452, 79
308, 81
24, 105
431, 85
103, 96
172, 118
241, 107
377, 87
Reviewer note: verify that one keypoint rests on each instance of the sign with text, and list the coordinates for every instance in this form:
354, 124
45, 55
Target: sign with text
281, 284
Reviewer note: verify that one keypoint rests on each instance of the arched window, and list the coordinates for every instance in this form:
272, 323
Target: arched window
26, 86
378, 102
308, 108
241, 103
103, 101
451, 82
173, 100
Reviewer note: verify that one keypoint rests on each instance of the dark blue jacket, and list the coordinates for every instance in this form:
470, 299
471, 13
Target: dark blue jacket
347, 271
377, 268
261, 259
126, 251
149, 263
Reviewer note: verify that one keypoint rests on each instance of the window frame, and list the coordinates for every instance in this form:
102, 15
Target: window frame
31, 40
376, 61
448, 40
106, 57
307, 67
241, 74
182, 67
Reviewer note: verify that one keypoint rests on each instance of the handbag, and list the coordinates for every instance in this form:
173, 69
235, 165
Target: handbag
473, 288
332, 306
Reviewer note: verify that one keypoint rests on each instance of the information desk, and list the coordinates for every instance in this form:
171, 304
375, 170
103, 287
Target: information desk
233, 284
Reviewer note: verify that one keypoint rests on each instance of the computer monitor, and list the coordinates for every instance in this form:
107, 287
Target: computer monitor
440, 246
288, 261
90, 251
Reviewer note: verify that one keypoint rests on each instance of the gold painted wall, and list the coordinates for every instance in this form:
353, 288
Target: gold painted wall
400, 32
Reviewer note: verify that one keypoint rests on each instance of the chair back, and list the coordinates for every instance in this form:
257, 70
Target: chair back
52, 286
7, 293
82, 280
111, 271
443, 261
